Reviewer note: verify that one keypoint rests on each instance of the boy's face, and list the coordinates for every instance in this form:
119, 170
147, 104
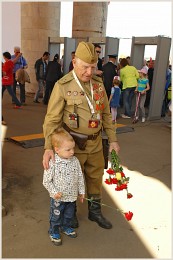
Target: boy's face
66, 150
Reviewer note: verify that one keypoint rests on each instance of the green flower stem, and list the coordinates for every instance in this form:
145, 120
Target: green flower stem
115, 161
102, 204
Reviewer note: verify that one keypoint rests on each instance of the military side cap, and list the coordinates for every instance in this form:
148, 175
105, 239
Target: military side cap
86, 52
113, 56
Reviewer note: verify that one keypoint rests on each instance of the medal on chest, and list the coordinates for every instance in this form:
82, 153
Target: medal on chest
74, 118
93, 122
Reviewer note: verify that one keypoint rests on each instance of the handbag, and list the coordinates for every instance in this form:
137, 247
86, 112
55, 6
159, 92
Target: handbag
80, 139
22, 76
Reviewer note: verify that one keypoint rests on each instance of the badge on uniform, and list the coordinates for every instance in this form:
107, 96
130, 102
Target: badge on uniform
93, 123
74, 120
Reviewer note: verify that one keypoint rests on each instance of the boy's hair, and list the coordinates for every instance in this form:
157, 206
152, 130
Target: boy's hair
59, 136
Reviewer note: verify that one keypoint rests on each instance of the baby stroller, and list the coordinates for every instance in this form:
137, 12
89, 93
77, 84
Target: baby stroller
135, 118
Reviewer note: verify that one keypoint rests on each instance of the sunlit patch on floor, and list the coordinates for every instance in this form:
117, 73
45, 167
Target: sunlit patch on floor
151, 205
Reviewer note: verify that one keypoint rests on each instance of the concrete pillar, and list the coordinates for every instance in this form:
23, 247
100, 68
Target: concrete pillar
89, 20
39, 20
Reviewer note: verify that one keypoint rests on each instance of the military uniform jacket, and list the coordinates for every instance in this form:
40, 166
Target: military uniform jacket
66, 93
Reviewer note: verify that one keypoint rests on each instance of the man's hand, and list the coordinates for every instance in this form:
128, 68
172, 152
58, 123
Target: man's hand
81, 197
48, 154
115, 146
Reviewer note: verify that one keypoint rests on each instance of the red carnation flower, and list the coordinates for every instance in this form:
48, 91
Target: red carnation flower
122, 174
114, 181
129, 195
128, 215
110, 171
109, 181
121, 187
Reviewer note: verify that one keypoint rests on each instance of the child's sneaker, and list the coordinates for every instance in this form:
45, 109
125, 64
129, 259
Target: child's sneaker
56, 239
69, 232
143, 119
17, 107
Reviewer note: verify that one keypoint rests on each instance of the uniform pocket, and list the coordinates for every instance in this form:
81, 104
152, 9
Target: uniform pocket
72, 102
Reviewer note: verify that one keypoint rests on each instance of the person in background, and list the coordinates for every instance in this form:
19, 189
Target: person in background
129, 76
150, 78
128, 59
166, 98
109, 72
71, 62
79, 103
64, 182
62, 63
118, 67
142, 88
99, 69
145, 66
53, 73
19, 63
7, 79
40, 71
114, 100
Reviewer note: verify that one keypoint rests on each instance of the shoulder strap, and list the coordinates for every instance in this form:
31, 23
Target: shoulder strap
66, 78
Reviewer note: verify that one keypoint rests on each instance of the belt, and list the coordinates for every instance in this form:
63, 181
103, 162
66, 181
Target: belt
90, 137
94, 136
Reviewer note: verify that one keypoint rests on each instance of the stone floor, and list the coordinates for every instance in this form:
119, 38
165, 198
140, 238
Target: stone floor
146, 158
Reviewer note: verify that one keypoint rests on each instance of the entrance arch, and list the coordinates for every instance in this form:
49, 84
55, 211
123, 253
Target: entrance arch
160, 67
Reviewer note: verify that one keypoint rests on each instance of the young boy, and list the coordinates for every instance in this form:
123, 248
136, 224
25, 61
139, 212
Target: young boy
64, 181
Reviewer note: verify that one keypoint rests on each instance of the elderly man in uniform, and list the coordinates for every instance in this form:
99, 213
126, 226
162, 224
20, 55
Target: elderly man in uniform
79, 103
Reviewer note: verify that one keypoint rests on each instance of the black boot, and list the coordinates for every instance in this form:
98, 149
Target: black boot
95, 214
75, 223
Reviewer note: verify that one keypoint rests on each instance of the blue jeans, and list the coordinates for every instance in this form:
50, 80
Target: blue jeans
41, 85
61, 215
128, 94
22, 90
10, 91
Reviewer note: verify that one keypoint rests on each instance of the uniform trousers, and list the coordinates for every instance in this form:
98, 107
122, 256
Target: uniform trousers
93, 167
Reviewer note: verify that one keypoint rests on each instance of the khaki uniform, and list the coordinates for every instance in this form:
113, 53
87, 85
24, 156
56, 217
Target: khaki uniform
66, 93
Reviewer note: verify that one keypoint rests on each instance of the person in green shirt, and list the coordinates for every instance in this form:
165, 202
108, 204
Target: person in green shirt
128, 76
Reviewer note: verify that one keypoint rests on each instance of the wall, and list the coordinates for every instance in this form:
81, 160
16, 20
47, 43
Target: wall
11, 26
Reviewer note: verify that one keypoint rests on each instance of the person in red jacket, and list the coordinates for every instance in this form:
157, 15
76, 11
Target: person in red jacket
7, 78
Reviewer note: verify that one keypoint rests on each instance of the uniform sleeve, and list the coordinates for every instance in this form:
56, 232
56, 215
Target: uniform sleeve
48, 180
81, 183
54, 116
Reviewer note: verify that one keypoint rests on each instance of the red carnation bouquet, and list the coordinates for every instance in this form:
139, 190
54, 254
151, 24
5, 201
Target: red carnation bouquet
117, 177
